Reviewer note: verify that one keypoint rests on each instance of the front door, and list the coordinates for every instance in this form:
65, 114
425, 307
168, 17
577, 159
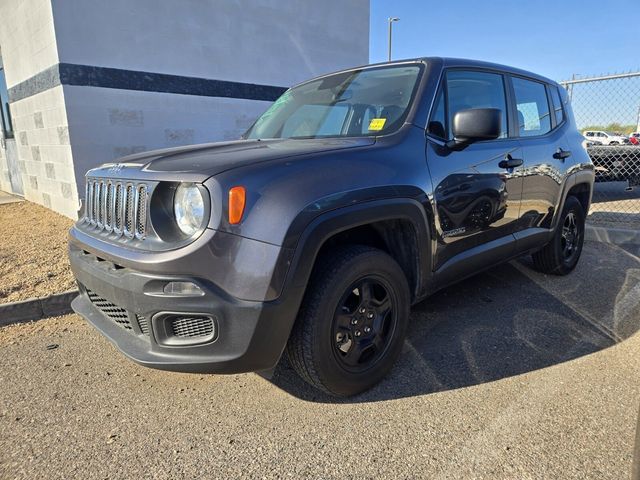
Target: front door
477, 199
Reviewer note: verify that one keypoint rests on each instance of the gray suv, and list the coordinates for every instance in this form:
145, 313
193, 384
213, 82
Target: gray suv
354, 196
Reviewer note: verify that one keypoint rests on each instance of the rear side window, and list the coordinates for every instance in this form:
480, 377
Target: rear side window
532, 106
557, 104
464, 90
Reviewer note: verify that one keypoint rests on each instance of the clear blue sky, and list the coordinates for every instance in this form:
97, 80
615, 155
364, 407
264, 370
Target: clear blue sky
553, 38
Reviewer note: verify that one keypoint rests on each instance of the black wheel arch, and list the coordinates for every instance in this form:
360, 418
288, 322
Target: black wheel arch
578, 184
399, 226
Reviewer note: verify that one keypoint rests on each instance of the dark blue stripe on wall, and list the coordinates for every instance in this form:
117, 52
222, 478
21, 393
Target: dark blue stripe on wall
88, 76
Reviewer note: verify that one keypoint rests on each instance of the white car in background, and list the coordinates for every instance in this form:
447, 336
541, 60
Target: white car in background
605, 138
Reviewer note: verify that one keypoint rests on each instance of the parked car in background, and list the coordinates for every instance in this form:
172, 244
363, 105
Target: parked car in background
605, 138
634, 138
591, 143
354, 196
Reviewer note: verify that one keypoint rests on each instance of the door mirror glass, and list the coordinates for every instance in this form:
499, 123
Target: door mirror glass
476, 124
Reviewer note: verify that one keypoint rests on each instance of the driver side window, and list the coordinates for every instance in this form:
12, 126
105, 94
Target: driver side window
466, 90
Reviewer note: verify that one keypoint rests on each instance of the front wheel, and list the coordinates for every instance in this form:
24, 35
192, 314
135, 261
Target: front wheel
353, 320
560, 256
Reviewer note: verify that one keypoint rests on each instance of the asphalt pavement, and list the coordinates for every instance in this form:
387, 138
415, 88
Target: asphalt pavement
509, 374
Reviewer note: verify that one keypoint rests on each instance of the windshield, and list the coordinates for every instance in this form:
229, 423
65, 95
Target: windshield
372, 101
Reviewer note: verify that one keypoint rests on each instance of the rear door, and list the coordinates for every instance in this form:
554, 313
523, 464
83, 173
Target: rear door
477, 201
541, 128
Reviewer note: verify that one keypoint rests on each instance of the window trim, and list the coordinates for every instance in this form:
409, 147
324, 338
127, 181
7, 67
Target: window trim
442, 85
561, 106
441, 89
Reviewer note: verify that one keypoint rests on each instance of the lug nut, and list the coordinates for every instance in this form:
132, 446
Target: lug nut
367, 329
354, 321
370, 315
362, 310
358, 333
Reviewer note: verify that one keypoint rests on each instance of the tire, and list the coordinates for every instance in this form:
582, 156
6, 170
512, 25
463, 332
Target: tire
560, 256
350, 284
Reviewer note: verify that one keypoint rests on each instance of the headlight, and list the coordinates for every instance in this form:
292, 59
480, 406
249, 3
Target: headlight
188, 208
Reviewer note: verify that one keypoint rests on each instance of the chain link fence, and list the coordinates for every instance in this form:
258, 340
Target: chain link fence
607, 111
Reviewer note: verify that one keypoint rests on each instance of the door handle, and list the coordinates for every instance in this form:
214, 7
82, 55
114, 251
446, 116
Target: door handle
510, 162
561, 154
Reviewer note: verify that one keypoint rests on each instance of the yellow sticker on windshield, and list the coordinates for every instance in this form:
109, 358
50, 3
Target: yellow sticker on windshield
377, 124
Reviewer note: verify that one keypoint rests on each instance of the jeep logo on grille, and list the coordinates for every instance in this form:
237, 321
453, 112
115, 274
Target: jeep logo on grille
117, 168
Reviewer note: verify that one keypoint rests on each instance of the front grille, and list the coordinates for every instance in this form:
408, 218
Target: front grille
108, 215
141, 210
117, 207
129, 211
192, 327
118, 214
111, 310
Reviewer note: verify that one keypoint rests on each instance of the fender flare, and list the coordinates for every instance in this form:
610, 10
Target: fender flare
330, 223
573, 179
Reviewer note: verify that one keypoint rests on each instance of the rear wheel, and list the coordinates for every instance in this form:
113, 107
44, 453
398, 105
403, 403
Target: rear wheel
560, 256
353, 321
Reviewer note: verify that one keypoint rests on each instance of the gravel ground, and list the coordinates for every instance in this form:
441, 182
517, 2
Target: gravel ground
33, 252
510, 374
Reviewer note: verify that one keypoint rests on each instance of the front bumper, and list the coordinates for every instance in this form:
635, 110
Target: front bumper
131, 313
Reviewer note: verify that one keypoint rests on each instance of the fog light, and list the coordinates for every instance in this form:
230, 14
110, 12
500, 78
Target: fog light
186, 289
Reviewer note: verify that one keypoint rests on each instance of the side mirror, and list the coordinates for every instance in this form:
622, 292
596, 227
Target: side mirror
474, 125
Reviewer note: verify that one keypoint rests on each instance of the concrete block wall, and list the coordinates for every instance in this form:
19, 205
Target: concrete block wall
105, 124
27, 38
28, 46
44, 150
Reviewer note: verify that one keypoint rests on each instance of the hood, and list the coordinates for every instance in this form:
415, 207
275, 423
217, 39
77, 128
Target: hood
199, 162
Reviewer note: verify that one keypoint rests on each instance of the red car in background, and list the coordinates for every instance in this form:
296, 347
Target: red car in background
634, 138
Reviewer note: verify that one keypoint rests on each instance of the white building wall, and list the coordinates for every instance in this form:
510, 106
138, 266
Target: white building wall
105, 124
28, 46
45, 156
274, 42
64, 129
27, 38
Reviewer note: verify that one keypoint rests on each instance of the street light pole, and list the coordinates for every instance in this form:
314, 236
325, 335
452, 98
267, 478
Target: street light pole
391, 20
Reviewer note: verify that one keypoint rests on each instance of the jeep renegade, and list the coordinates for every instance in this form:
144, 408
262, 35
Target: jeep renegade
354, 196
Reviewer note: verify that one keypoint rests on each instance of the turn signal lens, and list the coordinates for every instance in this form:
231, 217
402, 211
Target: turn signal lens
237, 198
